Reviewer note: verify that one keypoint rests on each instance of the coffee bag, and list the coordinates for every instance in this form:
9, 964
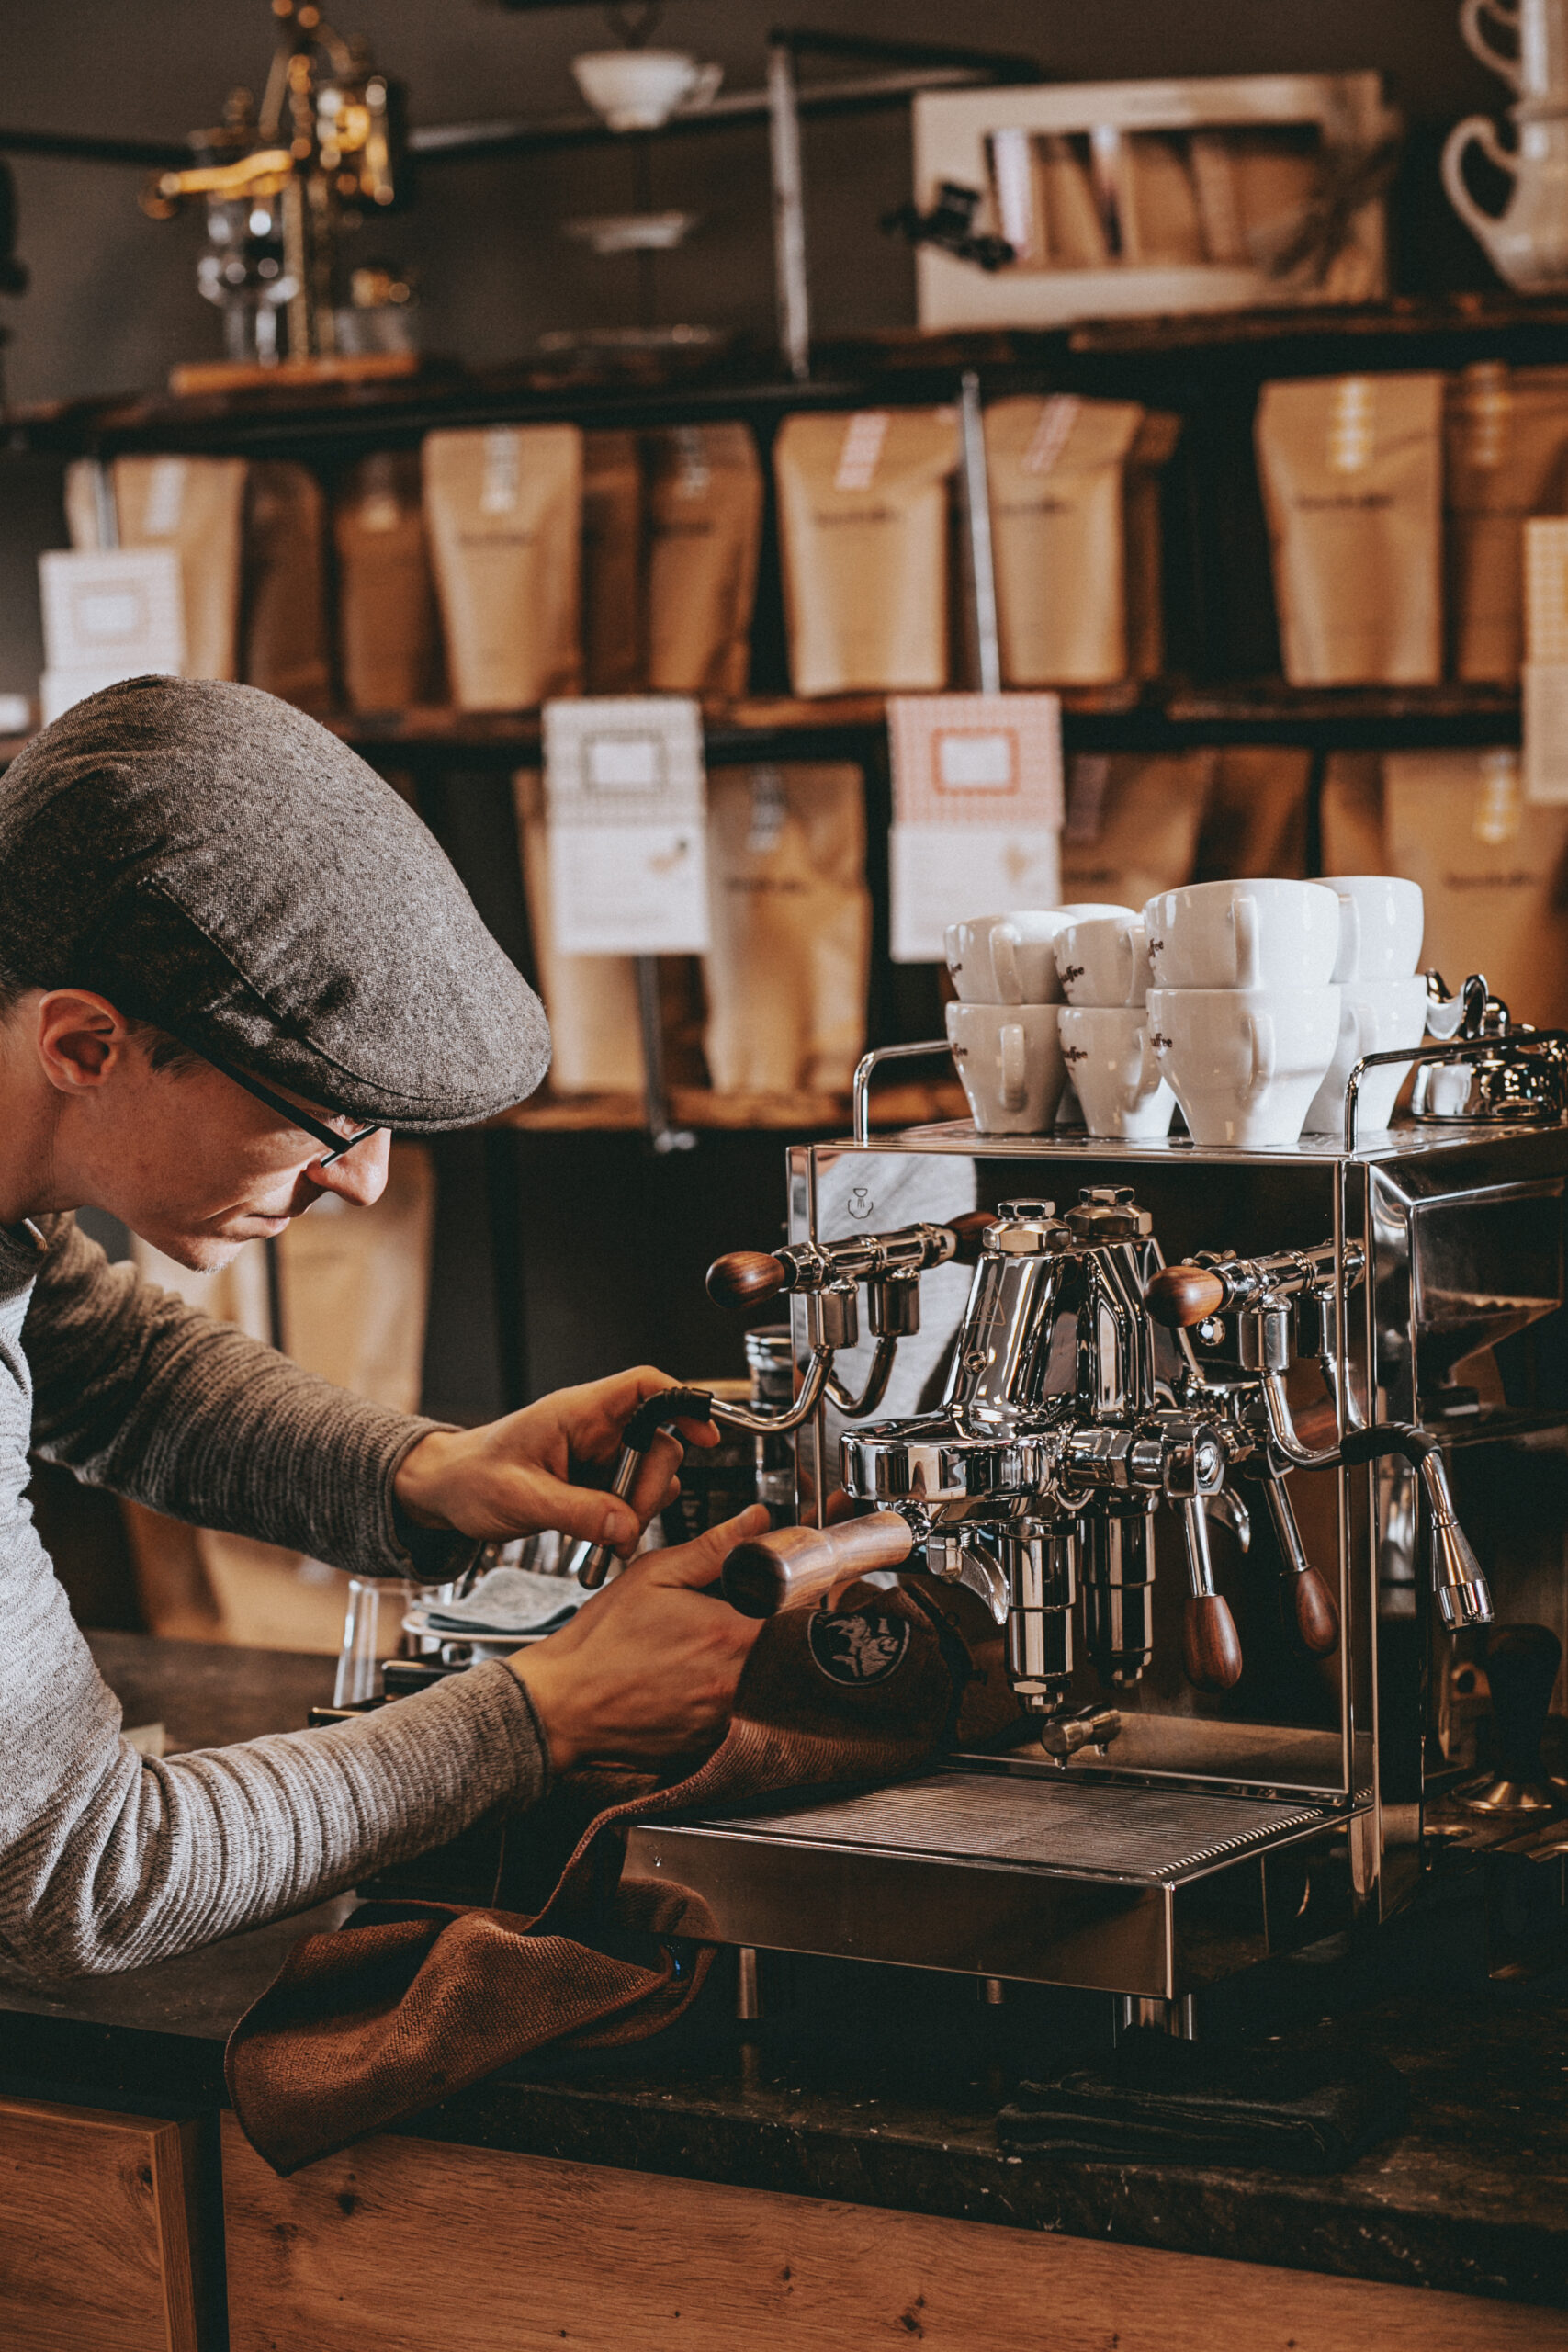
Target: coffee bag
1350, 814
612, 633
287, 642
1351, 468
1257, 815
862, 530
194, 506
592, 1000
1164, 201
790, 927
1492, 868
1154, 447
504, 507
1059, 533
1132, 825
1508, 457
704, 526
388, 639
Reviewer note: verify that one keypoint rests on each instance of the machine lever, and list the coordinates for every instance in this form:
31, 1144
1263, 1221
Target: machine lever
1210, 1650
590, 1562
798, 1568
1311, 1603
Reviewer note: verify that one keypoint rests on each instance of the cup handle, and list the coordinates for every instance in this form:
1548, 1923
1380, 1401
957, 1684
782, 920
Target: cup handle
1015, 1066
1473, 27
1260, 1032
1474, 129
1004, 963
1349, 956
1137, 1091
1243, 918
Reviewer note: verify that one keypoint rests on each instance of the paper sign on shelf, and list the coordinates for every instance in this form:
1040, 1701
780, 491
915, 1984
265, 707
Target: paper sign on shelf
627, 799
108, 616
1544, 681
976, 811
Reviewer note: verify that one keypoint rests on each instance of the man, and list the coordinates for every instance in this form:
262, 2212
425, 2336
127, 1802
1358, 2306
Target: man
229, 959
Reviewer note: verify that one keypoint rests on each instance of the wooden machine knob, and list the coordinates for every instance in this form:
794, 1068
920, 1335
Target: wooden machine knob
1317, 1619
969, 1232
1179, 1296
795, 1567
1211, 1652
745, 1278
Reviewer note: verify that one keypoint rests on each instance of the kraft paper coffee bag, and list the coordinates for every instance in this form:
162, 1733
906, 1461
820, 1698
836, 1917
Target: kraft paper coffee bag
704, 526
592, 1000
389, 635
1132, 825
503, 507
1164, 201
1494, 870
286, 643
1058, 537
1349, 814
790, 926
612, 564
196, 506
1351, 469
1154, 447
863, 506
1506, 458
1077, 232
1256, 821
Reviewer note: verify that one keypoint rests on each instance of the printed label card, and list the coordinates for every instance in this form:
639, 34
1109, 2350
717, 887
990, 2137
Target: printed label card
1544, 682
976, 811
117, 614
626, 797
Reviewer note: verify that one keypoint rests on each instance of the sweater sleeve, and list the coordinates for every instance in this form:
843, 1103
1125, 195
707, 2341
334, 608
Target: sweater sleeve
136, 1391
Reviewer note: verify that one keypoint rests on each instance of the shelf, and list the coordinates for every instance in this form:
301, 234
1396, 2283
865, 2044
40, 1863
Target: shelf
696, 1107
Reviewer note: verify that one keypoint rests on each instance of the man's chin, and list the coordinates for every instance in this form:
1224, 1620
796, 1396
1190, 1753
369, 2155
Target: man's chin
209, 1252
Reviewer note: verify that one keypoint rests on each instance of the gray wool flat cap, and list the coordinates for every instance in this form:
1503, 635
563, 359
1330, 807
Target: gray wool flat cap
215, 861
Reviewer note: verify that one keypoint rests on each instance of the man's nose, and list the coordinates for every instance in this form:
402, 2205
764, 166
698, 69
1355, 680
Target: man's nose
360, 1176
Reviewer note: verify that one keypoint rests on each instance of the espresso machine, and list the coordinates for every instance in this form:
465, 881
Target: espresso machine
1190, 1424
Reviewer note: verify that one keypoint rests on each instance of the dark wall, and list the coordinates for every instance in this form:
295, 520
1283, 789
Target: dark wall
114, 305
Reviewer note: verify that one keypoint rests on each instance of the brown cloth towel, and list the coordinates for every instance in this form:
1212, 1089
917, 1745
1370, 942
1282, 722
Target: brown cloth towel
409, 2003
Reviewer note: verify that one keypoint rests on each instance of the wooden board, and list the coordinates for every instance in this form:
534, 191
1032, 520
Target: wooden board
402, 2243
95, 2230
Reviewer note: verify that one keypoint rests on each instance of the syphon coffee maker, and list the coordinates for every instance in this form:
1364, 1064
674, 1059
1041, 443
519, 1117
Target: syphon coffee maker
1191, 1439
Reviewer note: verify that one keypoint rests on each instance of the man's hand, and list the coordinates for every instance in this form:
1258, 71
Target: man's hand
515, 1476
647, 1668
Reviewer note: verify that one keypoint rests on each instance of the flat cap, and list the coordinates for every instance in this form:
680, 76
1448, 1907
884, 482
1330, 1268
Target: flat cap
215, 861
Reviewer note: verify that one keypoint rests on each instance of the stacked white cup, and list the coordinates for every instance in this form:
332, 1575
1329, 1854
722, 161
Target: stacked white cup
1102, 962
1002, 1027
1244, 1011
1383, 996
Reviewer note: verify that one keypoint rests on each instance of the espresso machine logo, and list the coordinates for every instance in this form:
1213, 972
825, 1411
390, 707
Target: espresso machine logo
857, 1647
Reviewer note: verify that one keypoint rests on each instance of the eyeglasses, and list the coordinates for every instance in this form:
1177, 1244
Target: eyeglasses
336, 1145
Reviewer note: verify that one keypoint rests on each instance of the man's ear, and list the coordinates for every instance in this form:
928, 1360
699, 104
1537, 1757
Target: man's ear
82, 1039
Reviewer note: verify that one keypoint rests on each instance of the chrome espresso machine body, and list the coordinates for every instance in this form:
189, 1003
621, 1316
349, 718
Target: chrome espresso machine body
1189, 1433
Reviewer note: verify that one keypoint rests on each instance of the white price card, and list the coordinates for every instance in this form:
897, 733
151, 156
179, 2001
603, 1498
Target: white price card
120, 611
1544, 689
627, 799
976, 811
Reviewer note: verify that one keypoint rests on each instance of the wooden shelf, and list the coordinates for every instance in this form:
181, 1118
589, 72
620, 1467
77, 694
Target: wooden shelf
696, 1107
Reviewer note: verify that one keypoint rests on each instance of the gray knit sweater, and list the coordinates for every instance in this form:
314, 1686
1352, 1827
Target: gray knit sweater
107, 1859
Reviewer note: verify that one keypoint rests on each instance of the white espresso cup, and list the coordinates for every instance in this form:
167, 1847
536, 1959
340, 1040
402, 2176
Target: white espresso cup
639, 89
1009, 1059
1380, 921
1252, 934
1245, 1063
1104, 960
1116, 1072
1375, 1017
1009, 958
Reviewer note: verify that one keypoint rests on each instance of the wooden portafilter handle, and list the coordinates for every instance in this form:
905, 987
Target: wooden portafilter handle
795, 1567
1179, 1296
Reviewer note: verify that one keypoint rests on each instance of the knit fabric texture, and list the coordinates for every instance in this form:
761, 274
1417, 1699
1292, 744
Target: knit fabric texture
215, 861
109, 1860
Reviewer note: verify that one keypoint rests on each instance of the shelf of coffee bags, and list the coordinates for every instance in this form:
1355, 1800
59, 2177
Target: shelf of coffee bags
697, 1107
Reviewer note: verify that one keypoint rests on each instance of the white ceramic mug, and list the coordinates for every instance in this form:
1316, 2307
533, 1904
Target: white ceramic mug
1380, 921
1258, 933
1120, 1083
639, 89
1375, 1017
1009, 1059
1245, 1063
1008, 959
1103, 959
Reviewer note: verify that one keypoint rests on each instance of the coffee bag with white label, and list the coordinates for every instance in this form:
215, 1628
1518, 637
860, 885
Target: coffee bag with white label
790, 927
863, 506
1507, 459
1351, 468
286, 640
503, 507
1058, 532
196, 506
389, 633
704, 526
592, 1000
612, 564
1493, 869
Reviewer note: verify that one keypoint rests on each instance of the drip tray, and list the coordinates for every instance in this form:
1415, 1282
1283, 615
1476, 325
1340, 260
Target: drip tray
1133, 1890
